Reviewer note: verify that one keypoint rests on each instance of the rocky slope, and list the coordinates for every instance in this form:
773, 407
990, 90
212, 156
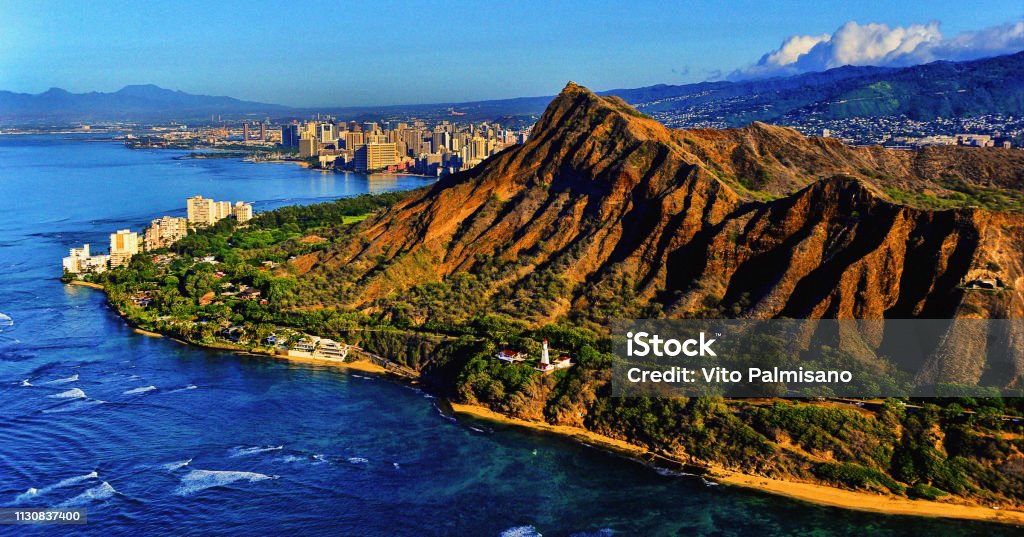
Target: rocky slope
605, 212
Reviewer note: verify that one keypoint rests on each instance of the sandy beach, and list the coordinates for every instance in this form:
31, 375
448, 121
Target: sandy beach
85, 284
364, 366
809, 492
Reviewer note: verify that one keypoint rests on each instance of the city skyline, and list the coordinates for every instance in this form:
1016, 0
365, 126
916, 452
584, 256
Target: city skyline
333, 55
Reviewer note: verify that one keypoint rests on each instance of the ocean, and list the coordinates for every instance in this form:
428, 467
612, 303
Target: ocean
154, 436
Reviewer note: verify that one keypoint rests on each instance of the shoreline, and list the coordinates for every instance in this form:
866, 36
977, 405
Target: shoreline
83, 283
365, 366
808, 492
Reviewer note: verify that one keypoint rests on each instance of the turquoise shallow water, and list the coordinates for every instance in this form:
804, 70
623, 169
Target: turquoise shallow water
154, 436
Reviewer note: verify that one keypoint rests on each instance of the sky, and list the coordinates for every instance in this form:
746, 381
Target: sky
383, 52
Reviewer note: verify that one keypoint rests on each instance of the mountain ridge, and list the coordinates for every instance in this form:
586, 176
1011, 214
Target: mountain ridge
606, 214
132, 102
602, 200
988, 85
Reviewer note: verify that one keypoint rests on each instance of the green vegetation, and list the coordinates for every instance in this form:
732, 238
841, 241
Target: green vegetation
236, 285
961, 195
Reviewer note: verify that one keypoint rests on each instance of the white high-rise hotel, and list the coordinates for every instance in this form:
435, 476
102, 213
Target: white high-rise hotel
205, 211
123, 245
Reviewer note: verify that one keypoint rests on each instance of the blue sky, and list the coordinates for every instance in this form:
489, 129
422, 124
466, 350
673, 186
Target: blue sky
381, 52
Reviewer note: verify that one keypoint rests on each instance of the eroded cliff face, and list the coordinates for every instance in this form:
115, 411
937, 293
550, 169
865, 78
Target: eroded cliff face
603, 197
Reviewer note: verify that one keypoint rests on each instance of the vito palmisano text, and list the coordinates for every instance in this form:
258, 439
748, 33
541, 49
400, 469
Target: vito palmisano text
643, 344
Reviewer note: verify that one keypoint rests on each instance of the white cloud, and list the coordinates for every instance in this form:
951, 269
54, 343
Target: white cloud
878, 44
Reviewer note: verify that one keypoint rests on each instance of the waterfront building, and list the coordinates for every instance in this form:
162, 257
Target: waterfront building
308, 147
164, 232
204, 211
375, 156
123, 245
242, 211
81, 261
201, 211
223, 209
317, 347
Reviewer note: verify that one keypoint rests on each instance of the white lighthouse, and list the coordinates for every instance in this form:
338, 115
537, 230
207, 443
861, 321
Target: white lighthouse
545, 358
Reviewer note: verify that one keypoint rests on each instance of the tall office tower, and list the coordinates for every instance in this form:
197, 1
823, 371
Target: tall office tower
353, 139
370, 127
325, 133
201, 211
123, 245
263, 132
290, 136
245, 131
412, 138
438, 141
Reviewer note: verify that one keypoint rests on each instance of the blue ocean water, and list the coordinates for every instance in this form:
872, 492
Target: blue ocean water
153, 436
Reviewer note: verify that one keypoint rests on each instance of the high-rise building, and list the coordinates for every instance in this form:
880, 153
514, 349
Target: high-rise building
223, 209
290, 136
439, 141
353, 139
164, 232
263, 132
204, 212
375, 156
325, 133
308, 147
245, 131
123, 245
201, 211
80, 261
242, 211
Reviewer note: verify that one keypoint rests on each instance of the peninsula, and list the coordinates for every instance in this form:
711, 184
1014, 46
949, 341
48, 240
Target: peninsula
605, 213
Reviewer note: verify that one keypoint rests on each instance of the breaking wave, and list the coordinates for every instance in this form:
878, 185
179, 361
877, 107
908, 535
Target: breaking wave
73, 393
172, 466
358, 460
100, 492
241, 451
184, 388
199, 480
666, 472
143, 389
74, 405
34, 492
521, 531
65, 380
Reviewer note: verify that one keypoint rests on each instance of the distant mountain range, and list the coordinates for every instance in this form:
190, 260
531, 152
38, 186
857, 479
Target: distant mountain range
923, 92
132, 103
